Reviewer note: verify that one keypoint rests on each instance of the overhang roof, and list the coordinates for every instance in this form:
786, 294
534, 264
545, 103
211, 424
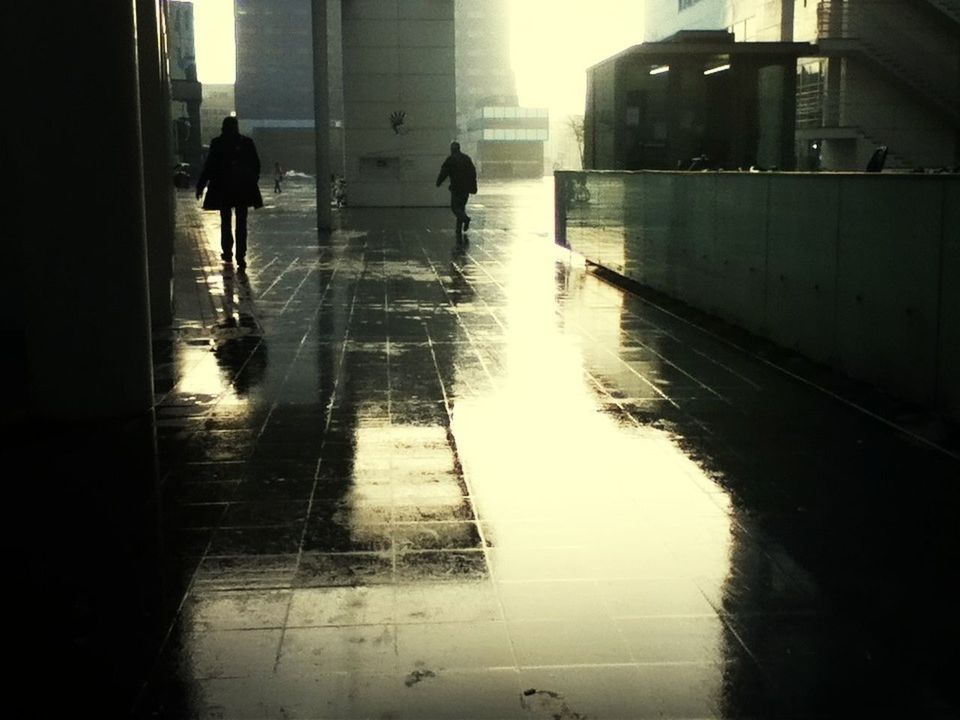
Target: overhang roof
688, 47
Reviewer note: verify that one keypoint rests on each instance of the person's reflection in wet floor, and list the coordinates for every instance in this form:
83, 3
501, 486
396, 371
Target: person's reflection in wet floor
241, 349
461, 290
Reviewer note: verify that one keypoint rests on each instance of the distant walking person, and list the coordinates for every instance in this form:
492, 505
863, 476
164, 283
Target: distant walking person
463, 183
232, 170
277, 177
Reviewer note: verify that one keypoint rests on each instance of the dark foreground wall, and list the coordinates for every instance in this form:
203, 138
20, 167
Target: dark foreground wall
858, 271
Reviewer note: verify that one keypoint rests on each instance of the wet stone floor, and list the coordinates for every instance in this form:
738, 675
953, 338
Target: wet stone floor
402, 477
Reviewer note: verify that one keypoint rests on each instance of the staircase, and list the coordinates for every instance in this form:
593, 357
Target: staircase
869, 30
950, 8
811, 111
894, 159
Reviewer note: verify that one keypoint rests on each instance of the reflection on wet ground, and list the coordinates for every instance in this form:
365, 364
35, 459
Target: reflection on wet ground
409, 479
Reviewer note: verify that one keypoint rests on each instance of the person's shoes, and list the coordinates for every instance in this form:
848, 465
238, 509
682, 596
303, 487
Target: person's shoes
226, 257
466, 224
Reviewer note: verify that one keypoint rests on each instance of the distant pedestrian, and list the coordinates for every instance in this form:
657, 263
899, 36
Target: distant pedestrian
232, 170
338, 190
463, 183
278, 174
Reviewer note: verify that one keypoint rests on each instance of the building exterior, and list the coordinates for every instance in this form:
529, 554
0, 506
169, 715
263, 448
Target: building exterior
399, 93
397, 67
390, 83
748, 20
695, 100
888, 75
885, 73
507, 140
185, 90
504, 139
218, 102
274, 89
482, 55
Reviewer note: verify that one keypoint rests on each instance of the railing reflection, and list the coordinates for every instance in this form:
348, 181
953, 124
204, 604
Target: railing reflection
590, 216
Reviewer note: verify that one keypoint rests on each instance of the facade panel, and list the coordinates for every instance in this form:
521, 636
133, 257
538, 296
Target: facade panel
400, 100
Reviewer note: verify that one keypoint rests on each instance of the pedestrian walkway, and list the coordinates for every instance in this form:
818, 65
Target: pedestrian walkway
402, 478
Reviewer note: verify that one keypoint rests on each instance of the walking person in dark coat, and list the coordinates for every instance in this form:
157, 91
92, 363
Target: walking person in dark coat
463, 183
230, 175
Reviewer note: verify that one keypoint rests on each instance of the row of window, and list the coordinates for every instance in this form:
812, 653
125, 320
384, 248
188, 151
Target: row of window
514, 134
514, 112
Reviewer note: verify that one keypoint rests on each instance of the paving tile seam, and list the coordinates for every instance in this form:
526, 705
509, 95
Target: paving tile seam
802, 380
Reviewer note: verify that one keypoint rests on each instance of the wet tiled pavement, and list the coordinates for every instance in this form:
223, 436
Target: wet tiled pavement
402, 478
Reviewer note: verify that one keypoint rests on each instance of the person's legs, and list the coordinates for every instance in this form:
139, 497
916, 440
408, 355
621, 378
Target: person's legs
241, 236
226, 234
458, 202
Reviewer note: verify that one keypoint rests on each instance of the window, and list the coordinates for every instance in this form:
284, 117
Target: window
514, 134
684, 4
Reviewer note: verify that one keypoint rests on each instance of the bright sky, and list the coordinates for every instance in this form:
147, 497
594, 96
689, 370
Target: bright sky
553, 42
213, 29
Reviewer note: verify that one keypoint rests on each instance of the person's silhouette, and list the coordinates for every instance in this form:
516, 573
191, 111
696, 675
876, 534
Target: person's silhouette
230, 176
463, 183
278, 174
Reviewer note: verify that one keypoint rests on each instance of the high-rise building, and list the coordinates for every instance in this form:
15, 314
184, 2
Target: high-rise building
274, 87
274, 90
391, 91
504, 139
484, 69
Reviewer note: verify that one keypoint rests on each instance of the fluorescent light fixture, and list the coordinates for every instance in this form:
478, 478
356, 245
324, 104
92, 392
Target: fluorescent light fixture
660, 69
718, 68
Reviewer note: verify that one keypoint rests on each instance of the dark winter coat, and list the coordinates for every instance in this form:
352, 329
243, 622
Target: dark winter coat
232, 170
462, 173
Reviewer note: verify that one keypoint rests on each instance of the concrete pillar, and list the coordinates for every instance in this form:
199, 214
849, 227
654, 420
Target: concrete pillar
321, 113
78, 227
786, 20
788, 109
833, 92
157, 157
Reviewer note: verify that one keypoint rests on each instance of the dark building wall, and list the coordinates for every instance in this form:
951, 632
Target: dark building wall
599, 121
510, 159
482, 53
275, 78
274, 59
287, 146
737, 118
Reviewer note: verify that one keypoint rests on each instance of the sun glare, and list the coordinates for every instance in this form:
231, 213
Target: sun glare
552, 43
215, 41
